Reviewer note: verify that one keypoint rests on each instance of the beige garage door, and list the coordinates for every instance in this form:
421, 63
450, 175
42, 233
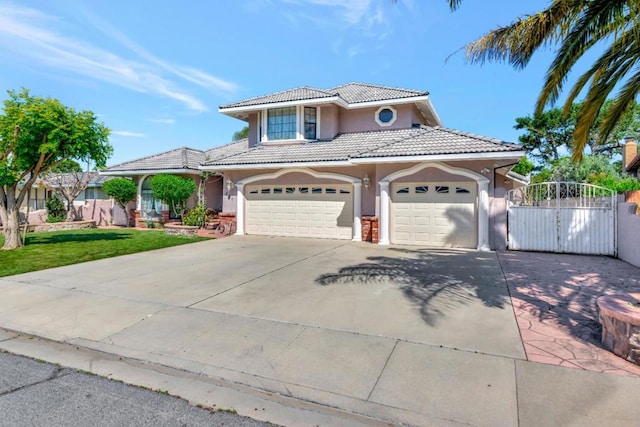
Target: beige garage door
439, 214
322, 211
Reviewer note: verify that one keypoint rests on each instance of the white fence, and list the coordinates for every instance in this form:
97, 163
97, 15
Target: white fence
565, 217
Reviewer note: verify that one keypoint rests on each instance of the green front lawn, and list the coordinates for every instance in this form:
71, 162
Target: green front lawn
48, 250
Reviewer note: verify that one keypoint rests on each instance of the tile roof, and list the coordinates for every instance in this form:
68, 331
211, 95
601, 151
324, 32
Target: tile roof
180, 158
297, 94
70, 179
423, 140
354, 93
351, 93
227, 150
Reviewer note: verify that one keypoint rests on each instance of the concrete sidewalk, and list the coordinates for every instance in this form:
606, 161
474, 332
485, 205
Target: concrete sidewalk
305, 362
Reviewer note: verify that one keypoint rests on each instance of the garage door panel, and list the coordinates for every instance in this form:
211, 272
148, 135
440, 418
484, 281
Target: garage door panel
440, 214
303, 211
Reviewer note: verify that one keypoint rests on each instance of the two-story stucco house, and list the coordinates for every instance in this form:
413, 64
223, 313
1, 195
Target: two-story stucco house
318, 160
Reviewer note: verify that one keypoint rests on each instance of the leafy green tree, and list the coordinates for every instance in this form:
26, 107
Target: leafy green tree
67, 166
550, 134
241, 134
546, 134
580, 28
122, 190
593, 169
172, 190
37, 134
524, 167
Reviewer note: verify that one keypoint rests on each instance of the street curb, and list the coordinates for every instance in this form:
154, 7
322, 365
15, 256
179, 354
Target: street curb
199, 390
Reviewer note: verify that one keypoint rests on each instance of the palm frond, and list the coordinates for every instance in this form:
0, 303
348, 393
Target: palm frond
597, 21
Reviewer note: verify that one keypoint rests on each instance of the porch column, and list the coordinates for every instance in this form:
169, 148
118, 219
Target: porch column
384, 213
357, 212
239, 209
483, 216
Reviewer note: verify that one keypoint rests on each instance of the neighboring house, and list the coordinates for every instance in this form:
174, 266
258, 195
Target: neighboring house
184, 162
317, 161
631, 157
41, 190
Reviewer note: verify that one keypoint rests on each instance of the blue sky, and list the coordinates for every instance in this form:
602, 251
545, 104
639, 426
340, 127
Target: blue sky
156, 72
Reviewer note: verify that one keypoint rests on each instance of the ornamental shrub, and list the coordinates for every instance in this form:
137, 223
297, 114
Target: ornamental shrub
172, 190
197, 216
56, 211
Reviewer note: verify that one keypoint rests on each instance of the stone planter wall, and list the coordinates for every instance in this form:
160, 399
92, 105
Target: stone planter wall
620, 319
59, 226
177, 229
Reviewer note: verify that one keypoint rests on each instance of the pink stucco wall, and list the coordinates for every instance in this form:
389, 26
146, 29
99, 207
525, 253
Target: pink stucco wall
329, 119
363, 119
213, 192
334, 120
254, 128
628, 233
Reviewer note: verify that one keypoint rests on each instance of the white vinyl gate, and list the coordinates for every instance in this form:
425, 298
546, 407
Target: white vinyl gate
564, 217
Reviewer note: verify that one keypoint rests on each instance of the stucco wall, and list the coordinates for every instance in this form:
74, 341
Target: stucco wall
213, 192
328, 121
254, 128
628, 233
363, 119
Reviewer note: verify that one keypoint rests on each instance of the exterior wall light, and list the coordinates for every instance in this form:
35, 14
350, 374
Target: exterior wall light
366, 181
230, 184
485, 171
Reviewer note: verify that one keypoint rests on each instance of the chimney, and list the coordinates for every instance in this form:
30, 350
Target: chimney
629, 151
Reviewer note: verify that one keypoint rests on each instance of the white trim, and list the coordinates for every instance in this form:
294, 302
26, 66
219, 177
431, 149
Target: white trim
483, 199
139, 195
384, 218
440, 157
327, 100
393, 118
357, 212
315, 174
433, 110
240, 204
374, 160
149, 172
357, 194
278, 165
330, 100
395, 101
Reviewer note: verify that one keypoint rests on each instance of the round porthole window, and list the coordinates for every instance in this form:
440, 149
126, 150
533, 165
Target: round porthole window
385, 116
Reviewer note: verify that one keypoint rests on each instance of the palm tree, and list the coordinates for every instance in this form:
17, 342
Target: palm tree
577, 26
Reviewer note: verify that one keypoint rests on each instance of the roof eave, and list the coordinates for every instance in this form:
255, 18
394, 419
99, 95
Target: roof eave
149, 172
247, 108
441, 157
331, 163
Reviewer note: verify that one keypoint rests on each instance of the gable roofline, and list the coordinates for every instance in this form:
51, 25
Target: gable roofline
338, 95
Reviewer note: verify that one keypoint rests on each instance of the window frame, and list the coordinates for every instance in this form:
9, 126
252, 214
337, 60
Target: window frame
393, 118
300, 124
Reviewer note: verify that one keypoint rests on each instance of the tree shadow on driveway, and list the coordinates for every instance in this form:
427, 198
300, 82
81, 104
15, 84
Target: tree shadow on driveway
560, 290
436, 282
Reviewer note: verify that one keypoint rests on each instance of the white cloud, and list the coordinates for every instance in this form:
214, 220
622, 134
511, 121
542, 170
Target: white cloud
31, 33
163, 121
358, 20
128, 134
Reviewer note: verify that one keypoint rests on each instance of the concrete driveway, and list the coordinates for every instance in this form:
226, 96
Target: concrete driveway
394, 333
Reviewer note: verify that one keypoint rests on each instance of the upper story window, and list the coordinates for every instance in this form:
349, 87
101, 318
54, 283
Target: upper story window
385, 116
289, 123
310, 123
281, 123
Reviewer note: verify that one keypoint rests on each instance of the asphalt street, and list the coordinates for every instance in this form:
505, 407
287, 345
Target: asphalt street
34, 393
